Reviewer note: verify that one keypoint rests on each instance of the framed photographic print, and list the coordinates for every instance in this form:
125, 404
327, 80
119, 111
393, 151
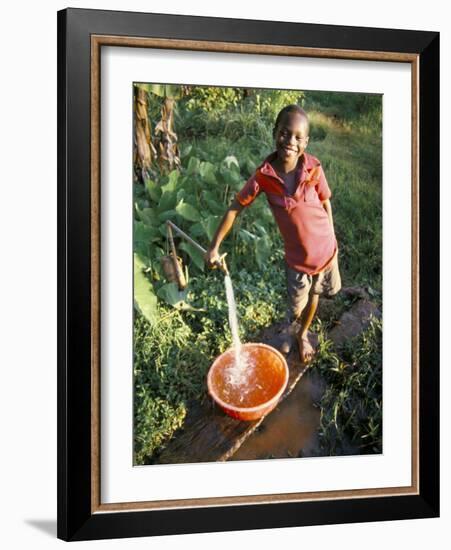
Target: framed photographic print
226, 360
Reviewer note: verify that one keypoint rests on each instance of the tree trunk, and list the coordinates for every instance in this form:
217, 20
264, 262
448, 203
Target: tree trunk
166, 138
144, 150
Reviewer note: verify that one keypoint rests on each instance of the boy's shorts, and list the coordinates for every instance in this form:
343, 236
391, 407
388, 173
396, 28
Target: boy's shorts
300, 285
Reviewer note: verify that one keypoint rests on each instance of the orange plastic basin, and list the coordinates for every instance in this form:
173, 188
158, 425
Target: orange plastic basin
264, 379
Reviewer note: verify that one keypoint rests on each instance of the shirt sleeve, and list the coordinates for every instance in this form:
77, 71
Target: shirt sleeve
249, 192
321, 185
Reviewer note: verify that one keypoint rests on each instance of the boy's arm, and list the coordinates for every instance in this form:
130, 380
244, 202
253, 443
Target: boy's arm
212, 254
328, 208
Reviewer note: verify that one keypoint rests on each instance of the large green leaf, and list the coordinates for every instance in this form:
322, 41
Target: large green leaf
194, 253
235, 179
214, 204
187, 211
193, 166
231, 177
181, 194
167, 215
163, 230
143, 235
174, 297
208, 173
170, 293
153, 190
169, 192
167, 201
196, 230
147, 215
231, 163
171, 185
210, 225
140, 203
250, 165
188, 183
144, 297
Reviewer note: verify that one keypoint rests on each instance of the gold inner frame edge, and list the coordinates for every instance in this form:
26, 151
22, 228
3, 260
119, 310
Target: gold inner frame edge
97, 41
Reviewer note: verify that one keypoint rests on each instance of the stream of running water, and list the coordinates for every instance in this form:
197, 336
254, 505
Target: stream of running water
238, 372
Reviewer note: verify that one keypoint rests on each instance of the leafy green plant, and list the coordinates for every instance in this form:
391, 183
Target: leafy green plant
201, 187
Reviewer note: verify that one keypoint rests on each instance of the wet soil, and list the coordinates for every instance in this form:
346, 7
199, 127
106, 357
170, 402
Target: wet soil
290, 430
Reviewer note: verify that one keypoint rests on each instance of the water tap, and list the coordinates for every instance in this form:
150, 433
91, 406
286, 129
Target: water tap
221, 264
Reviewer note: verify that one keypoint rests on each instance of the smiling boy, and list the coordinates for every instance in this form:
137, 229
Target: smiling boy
299, 197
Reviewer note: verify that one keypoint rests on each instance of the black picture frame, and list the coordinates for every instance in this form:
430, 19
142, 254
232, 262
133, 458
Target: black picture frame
77, 517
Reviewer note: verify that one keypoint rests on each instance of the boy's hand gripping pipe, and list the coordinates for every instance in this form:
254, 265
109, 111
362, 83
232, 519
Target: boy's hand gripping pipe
220, 263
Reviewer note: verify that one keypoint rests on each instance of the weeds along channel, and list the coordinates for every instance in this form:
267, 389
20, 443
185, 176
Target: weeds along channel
222, 135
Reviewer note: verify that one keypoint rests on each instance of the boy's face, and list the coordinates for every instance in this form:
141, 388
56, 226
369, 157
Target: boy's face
291, 137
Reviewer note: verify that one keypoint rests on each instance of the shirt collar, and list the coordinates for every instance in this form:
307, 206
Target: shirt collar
305, 163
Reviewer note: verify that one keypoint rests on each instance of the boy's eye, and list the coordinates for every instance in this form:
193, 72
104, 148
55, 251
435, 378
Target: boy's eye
286, 133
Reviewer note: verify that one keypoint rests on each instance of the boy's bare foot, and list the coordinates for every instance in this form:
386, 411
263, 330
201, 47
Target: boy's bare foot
306, 350
285, 339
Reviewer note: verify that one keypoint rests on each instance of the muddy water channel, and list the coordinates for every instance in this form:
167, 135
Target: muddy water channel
291, 430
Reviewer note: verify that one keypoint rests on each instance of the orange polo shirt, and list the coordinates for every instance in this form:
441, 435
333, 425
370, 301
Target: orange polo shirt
308, 237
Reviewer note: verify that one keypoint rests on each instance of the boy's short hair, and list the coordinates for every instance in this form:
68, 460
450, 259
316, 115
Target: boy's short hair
290, 109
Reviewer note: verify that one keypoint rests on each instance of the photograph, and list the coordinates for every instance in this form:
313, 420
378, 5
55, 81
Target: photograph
257, 327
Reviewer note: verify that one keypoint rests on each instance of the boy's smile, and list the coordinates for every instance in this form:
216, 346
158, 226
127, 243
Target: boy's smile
291, 137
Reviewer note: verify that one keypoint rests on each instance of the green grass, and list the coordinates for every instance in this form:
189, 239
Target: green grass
352, 164
172, 356
351, 407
